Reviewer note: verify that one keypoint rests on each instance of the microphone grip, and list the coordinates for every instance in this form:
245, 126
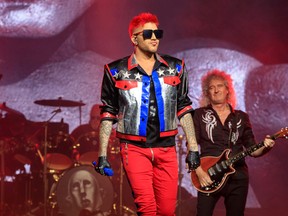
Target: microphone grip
107, 171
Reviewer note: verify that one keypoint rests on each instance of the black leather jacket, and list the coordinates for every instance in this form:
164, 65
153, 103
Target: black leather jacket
126, 94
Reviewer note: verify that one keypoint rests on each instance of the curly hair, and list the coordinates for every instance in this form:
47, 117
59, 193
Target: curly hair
140, 20
228, 82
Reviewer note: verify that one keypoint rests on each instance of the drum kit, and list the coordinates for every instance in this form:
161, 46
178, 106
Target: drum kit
44, 170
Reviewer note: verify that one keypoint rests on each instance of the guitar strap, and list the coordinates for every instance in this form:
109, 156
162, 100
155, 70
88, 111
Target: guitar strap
233, 129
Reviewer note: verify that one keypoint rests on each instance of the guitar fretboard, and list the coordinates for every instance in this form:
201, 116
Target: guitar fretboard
244, 153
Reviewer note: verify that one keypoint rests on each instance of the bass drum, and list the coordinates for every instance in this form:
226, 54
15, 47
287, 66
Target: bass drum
86, 144
82, 191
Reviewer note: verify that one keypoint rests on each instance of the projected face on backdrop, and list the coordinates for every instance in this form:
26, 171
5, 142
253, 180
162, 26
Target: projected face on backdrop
40, 40
38, 18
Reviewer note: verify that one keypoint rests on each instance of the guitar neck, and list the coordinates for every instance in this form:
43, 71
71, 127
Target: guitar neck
249, 150
244, 153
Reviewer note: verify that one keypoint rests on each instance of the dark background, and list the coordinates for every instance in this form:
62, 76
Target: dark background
258, 27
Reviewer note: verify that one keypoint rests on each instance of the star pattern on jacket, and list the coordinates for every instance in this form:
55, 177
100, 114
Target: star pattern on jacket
160, 72
138, 76
171, 71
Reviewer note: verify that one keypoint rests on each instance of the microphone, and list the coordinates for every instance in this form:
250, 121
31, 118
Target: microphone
107, 171
56, 111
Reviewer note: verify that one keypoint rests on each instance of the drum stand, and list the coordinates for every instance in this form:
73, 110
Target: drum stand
45, 179
2, 177
43, 158
80, 115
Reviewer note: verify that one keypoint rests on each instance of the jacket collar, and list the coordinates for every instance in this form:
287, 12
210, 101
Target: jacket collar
132, 62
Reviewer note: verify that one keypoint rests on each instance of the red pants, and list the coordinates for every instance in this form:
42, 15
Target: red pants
153, 177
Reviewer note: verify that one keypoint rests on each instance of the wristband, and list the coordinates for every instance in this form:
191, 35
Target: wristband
193, 160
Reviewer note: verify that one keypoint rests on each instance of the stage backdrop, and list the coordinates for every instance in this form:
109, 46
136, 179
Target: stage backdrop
52, 50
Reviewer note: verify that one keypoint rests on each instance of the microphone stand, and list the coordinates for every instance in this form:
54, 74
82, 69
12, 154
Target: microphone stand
180, 175
45, 180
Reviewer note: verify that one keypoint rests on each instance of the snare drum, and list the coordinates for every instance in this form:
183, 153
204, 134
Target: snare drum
81, 189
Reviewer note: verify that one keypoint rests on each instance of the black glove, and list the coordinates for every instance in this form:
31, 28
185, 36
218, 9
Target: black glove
102, 163
193, 160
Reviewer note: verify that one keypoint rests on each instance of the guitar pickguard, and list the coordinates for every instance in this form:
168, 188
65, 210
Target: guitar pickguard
217, 173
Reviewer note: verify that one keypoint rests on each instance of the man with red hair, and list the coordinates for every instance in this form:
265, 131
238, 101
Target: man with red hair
218, 127
145, 93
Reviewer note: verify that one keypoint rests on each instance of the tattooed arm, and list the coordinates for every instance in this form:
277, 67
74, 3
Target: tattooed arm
105, 132
188, 126
192, 158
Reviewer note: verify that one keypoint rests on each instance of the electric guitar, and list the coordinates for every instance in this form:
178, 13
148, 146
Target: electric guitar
221, 167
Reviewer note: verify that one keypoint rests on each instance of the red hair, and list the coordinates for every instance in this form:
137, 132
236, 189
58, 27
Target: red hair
140, 20
217, 74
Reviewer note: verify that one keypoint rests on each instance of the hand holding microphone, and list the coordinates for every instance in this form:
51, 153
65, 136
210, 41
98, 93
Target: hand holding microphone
103, 166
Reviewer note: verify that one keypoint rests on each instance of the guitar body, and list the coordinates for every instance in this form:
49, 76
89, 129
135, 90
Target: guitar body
217, 170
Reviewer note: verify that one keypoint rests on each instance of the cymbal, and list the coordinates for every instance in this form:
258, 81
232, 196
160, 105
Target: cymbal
3, 107
59, 103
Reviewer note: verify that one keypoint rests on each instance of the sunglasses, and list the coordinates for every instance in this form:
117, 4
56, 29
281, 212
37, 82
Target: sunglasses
147, 33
